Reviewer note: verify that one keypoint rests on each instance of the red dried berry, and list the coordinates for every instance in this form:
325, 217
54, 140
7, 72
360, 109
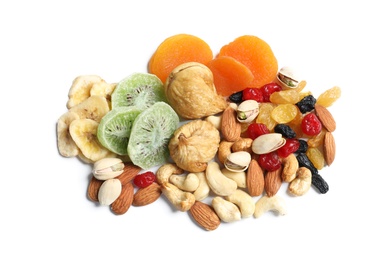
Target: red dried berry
290, 146
269, 89
269, 161
256, 129
144, 179
252, 94
311, 125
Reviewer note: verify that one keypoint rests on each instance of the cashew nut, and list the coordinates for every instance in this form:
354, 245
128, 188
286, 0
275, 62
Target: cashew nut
165, 171
224, 150
186, 182
181, 200
203, 189
244, 201
226, 210
301, 184
243, 144
266, 203
215, 121
219, 184
290, 166
238, 177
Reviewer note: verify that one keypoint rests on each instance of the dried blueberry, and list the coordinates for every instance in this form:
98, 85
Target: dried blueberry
304, 161
236, 97
285, 130
319, 183
303, 146
306, 104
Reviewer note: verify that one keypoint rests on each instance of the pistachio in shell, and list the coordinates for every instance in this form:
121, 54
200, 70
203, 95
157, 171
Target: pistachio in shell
191, 92
194, 144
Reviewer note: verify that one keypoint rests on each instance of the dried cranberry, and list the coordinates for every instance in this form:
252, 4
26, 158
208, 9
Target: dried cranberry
252, 94
269, 161
291, 145
269, 89
256, 129
311, 125
144, 179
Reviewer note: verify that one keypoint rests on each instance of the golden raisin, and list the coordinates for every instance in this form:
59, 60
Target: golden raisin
316, 157
328, 97
264, 115
284, 113
289, 96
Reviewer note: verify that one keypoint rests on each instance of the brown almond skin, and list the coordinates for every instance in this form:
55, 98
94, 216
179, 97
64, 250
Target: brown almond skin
147, 195
230, 126
93, 188
255, 179
273, 182
205, 216
325, 117
124, 201
129, 172
329, 148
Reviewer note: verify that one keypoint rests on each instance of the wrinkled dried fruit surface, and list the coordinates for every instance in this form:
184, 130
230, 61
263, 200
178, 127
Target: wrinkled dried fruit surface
191, 92
194, 144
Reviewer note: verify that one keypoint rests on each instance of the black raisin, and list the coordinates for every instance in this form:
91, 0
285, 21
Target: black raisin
285, 130
236, 97
303, 146
306, 104
304, 161
319, 183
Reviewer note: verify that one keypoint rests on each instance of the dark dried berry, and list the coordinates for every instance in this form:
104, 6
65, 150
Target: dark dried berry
306, 104
237, 97
303, 146
304, 161
319, 183
285, 130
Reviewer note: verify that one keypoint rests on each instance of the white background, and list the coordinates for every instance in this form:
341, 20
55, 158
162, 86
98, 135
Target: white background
45, 44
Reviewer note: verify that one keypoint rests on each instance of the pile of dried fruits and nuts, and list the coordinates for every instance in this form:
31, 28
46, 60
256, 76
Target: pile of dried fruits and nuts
223, 133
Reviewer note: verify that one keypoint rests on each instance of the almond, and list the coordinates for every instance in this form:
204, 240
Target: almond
273, 182
255, 179
147, 195
124, 201
129, 172
329, 148
230, 126
93, 188
205, 215
325, 117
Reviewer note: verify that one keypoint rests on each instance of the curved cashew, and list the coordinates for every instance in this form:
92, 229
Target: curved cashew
238, 177
244, 201
215, 121
301, 184
165, 171
290, 166
181, 200
243, 144
203, 189
266, 203
219, 184
226, 210
187, 182
224, 150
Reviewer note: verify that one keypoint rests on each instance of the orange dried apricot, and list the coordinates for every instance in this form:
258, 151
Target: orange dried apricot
176, 50
229, 75
257, 55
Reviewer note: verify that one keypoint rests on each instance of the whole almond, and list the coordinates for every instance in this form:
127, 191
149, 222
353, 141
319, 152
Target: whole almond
329, 148
147, 195
93, 188
273, 182
205, 216
230, 126
124, 201
255, 179
325, 117
129, 172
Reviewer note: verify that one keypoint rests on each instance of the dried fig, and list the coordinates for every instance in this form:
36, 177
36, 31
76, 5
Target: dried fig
191, 92
194, 144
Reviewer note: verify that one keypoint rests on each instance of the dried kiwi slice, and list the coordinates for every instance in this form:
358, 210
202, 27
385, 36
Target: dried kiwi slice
115, 128
150, 135
139, 89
